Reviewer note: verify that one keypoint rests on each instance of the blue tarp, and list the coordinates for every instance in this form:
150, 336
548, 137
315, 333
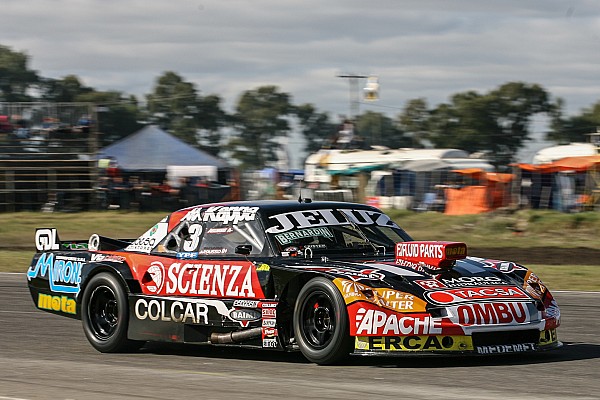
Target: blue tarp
152, 149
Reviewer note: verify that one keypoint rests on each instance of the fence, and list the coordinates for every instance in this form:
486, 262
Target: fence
47, 155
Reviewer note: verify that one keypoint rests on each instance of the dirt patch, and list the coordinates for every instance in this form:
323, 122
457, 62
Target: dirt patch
540, 255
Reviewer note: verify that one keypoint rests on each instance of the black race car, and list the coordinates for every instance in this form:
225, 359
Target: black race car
326, 278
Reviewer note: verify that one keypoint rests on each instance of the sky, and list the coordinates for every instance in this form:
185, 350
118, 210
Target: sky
429, 49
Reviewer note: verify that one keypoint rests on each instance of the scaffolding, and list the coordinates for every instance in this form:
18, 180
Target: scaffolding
47, 156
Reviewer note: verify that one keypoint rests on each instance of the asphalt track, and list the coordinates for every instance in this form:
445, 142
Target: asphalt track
43, 356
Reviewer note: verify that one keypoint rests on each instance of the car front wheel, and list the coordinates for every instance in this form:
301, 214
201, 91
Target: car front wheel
321, 325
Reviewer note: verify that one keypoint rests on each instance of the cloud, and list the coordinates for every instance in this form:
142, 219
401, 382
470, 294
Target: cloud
430, 49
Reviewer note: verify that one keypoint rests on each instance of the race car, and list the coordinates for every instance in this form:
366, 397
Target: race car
329, 279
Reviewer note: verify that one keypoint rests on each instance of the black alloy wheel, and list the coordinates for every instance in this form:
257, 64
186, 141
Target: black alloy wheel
321, 326
105, 315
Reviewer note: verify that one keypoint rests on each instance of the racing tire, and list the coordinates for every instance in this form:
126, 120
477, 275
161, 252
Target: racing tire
105, 315
321, 326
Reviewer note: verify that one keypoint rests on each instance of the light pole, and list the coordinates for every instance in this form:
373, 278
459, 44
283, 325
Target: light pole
354, 98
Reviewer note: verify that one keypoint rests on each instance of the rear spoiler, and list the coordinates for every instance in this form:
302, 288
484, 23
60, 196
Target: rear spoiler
46, 239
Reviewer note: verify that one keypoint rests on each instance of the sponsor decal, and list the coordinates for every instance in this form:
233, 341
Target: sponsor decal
263, 267
157, 273
46, 239
548, 337
465, 281
223, 214
150, 239
270, 343
221, 230
63, 273
431, 255
172, 311
384, 297
107, 258
430, 284
414, 343
246, 303
327, 217
63, 304
269, 332
271, 323
503, 266
372, 322
215, 280
189, 255
534, 286
490, 313
212, 251
288, 237
505, 348
245, 314
269, 313
453, 296
74, 246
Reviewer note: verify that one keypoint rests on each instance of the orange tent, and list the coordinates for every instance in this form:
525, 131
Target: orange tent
491, 193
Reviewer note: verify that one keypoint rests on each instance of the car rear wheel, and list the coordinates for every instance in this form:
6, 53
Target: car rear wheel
105, 315
321, 325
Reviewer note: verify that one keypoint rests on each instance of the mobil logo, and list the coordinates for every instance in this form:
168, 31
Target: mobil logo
491, 313
466, 295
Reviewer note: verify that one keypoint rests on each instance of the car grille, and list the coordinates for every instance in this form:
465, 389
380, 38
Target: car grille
505, 337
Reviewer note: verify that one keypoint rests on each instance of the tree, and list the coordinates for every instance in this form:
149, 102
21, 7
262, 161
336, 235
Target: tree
118, 117
574, 129
173, 106
15, 78
316, 126
211, 119
63, 90
261, 118
498, 122
377, 129
414, 121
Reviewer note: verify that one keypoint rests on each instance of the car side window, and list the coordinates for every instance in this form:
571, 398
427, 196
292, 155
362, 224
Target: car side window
221, 239
183, 238
212, 239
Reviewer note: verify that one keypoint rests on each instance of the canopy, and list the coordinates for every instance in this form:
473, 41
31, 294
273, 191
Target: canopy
577, 164
152, 149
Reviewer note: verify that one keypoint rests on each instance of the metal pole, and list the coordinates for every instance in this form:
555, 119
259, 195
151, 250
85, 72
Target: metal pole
354, 97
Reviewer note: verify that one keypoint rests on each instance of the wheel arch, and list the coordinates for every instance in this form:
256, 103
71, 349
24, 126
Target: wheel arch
121, 271
289, 295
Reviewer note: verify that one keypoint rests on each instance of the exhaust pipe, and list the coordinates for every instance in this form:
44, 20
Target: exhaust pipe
234, 337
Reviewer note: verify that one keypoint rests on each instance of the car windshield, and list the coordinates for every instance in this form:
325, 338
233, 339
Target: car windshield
341, 231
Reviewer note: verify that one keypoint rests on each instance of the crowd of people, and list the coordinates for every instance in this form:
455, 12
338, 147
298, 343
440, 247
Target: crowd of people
135, 193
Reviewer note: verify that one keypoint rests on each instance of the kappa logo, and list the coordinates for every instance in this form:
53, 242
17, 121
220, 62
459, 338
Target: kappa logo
226, 215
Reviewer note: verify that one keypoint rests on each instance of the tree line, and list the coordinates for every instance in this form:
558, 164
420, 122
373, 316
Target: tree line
497, 123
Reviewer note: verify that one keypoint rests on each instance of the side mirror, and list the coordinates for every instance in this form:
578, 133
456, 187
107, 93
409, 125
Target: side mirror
243, 249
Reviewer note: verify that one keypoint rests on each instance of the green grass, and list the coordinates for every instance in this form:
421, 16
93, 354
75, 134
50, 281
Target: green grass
524, 228
537, 229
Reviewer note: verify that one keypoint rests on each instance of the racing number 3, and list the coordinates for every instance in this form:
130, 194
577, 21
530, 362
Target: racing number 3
191, 243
